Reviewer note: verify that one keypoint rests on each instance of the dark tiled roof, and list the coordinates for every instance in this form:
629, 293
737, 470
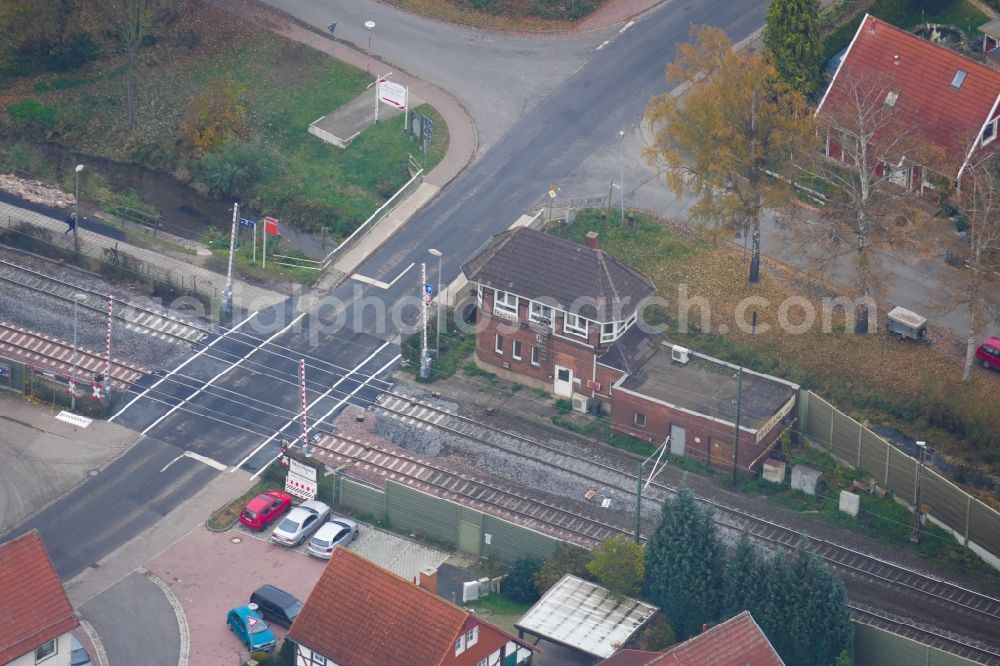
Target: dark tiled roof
630, 351
558, 272
362, 615
34, 608
922, 72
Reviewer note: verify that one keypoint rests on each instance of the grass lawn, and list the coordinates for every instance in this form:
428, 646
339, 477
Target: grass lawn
500, 611
915, 387
283, 87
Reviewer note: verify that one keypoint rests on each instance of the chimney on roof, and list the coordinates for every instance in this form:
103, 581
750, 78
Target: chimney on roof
704, 628
895, 59
592, 241
428, 579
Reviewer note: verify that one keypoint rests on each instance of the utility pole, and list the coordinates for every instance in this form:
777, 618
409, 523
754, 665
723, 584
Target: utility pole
621, 165
638, 501
424, 297
76, 210
227, 293
923, 453
437, 341
736, 440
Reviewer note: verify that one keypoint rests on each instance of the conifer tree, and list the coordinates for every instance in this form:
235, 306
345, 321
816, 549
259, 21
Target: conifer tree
792, 36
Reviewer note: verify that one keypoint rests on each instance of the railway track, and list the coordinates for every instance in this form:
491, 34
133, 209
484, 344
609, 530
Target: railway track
950, 644
849, 562
477, 493
143, 320
56, 356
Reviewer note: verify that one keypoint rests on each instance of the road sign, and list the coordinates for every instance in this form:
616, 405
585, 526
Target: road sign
429, 289
427, 298
392, 94
428, 129
244, 222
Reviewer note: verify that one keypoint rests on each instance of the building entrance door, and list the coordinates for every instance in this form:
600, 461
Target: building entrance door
563, 383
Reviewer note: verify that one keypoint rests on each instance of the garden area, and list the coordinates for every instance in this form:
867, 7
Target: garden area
529, 15
223, 106
916, 388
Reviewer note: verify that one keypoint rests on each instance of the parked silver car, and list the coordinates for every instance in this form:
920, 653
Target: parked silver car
300, 522
335, 532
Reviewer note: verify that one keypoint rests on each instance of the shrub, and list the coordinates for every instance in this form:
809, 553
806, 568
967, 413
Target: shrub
234, 168
519, 584
32, 116
565, 559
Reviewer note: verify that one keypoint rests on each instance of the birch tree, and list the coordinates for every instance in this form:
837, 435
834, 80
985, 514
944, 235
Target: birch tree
736, 121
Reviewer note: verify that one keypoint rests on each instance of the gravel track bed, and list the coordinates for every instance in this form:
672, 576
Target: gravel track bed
381, 430
53, 316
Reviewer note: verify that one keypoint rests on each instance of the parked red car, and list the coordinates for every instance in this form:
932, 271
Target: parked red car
988, 353
265, 509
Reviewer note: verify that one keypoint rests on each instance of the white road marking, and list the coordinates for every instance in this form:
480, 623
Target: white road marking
73, 419
298, 417
212, 380
378, 283
626, 26
603, 44
167, 376
215, 464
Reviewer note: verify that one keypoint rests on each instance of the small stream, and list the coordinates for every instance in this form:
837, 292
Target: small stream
183, 210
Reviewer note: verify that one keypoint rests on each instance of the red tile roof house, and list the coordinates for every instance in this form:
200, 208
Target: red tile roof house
362, 615
945, 99
556, 315
36, 617
736, 642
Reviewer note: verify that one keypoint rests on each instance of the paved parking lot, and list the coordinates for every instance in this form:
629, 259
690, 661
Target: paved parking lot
211, 572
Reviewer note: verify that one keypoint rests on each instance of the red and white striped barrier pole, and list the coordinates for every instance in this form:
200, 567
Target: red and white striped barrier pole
106, 375
305, 423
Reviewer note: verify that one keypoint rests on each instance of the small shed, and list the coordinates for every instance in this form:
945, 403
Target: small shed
991, 35
584, 616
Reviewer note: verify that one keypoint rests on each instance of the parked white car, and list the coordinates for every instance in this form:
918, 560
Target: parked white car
337, 531
300, 523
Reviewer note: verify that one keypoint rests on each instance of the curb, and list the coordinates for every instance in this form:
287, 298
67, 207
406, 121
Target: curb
182, 625
99, 654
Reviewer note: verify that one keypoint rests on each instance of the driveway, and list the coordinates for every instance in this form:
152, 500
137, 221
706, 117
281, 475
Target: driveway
211, 572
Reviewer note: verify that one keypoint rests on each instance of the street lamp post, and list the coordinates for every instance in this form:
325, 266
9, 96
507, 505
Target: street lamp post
437, 342
76, 210
621, 168
77, 299
226, 312
368, 63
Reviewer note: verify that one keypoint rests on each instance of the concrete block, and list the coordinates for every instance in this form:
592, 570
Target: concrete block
850, 503
807, 479
774, 470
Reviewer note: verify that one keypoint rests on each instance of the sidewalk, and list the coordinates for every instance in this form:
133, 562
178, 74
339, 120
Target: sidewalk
182, 273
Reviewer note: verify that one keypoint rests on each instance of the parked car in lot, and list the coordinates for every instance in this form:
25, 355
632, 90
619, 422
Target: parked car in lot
276, 605
250, 628
300, 523
333, 533
77, 653
264, 509
988, 354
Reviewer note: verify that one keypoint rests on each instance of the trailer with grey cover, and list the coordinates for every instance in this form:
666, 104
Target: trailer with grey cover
906, 325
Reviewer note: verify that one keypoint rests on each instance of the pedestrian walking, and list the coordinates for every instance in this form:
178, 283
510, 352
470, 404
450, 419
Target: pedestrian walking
70, 223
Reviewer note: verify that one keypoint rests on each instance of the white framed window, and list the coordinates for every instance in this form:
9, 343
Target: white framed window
505, 304
318, 659
639, 420
483, 662
536, 355
472, 637
989, 132
609, 331
516, 350
630, 321
575, 324
460, 645
540, 313
498, 345
46, 650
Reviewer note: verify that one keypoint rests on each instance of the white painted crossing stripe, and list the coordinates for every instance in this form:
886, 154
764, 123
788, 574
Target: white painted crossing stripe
167, 376
73, 419
298, 416
378, 283
215, 464
603, 44
226, 370
626, 26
